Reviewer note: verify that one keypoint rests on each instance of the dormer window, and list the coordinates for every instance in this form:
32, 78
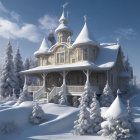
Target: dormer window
60, 57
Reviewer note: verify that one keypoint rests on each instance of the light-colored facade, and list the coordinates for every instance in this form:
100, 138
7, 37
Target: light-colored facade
74, 63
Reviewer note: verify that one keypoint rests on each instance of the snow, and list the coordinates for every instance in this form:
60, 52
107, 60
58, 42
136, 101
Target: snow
62, 17
63, 27
60, 122
84, 37
44, 48
116, 110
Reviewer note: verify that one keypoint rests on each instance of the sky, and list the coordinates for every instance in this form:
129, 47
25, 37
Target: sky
26, 22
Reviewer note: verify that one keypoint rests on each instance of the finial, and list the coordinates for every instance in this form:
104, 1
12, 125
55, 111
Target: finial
85, 18
118, 41
64, 5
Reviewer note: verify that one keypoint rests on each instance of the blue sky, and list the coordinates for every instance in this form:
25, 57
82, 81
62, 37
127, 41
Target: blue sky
28, 21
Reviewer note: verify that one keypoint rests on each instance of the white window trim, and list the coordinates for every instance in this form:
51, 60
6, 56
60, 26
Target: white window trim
56, 57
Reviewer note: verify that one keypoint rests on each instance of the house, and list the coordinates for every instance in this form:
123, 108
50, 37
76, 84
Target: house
74, 63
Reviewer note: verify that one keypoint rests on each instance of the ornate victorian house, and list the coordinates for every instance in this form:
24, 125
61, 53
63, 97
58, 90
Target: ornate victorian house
74, 63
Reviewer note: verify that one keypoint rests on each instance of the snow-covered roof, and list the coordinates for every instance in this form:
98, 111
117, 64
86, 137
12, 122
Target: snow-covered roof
84, 37
116, 110
44, 48
106, 59
63, 27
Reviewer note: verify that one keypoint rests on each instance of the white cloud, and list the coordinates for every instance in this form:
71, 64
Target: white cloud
12, 29
48, 22
126, 33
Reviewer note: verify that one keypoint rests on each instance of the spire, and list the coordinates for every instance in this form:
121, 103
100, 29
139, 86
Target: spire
84, 36
44, 48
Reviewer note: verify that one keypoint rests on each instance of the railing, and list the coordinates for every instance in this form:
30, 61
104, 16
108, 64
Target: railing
33, 88
75, 89
37, 94
55, 91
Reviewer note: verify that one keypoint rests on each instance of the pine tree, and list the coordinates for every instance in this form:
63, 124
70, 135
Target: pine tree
95, 116
8, 79
24, 95
18, 64
37, 115
63, 97
82, 125
107, 97
26, 64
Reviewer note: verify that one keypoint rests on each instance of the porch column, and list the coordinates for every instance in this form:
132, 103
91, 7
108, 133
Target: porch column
64, 78
25, 79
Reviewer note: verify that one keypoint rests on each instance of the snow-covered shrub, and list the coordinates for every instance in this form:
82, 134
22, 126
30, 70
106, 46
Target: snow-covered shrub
8, 127
37, 115
55, 99
117, 128
63, 97
24, 95
95, 116
107, 97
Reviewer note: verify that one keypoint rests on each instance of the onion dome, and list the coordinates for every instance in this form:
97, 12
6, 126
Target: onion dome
63, 25
44, 49
84, 37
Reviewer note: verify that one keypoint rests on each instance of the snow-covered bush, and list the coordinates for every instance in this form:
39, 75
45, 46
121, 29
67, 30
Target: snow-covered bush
63, 97
119, 123
37, 115
107, 97
8, 127
117, 128
95, 116
24, 95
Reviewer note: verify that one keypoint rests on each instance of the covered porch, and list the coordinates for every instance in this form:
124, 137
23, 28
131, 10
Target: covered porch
50, 81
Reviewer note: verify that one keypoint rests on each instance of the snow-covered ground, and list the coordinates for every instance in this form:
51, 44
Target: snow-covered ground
59, 122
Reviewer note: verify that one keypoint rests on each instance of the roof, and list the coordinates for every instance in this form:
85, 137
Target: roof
44, 48
84, 37
63, 27
116, 110
106, 59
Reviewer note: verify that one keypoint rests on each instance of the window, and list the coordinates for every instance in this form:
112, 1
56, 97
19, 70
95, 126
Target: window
85, 53
60, 57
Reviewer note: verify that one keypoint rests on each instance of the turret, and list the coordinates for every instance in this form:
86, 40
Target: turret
51, 38
63, 31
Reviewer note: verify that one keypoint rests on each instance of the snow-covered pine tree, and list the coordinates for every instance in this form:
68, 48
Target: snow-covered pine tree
24, 95
95, 116
26, 64
118, 124
82, 125
8, 79
87, 92
37, 115
107, 97
18, 64
63, 97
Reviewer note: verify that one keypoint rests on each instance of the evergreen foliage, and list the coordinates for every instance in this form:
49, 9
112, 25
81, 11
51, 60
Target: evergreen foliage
8, 79
18, 64
37, 115
107, 97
